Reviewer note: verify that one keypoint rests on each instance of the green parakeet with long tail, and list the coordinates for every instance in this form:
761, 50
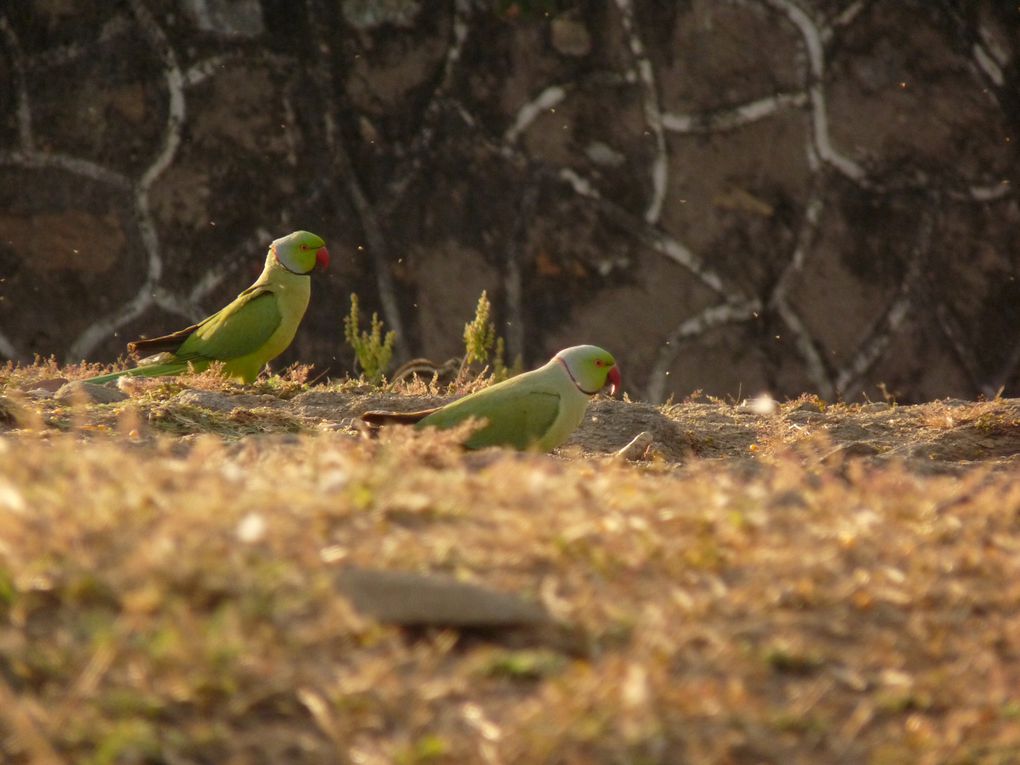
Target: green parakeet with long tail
536, 410
249, 332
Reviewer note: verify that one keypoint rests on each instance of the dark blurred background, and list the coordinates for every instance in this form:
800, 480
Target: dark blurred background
783, 195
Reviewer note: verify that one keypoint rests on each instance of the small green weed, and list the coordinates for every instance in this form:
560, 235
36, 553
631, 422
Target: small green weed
372, 349
482, 345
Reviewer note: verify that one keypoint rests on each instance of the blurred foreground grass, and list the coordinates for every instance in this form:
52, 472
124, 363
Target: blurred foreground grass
173, 600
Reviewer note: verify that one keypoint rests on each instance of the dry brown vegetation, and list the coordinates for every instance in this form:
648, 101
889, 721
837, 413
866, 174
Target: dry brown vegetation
816, 584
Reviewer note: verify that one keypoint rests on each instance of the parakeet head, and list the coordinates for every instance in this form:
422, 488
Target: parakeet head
591, 368
300, 251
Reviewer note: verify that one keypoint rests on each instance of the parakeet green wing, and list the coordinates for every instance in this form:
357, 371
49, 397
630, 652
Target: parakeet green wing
515, 416
239, 329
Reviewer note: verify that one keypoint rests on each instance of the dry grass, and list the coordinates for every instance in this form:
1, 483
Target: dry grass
173, 599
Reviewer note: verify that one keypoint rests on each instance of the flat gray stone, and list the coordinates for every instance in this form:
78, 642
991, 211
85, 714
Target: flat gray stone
51, 385
427, 600
76, 392
207, 399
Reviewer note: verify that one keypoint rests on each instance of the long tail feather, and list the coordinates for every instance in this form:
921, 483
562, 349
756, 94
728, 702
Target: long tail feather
378, 417
147, 370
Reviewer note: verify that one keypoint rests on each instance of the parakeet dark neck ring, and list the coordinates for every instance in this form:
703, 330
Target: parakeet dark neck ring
284, 265
574, 379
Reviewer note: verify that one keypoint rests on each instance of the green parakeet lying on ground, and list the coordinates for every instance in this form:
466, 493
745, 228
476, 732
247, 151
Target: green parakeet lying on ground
252, 330
536, 410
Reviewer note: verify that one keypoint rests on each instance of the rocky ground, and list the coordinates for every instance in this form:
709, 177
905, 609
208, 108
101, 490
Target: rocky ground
194, 572
941, 436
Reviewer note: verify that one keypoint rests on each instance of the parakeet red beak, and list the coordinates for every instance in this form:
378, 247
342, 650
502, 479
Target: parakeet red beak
614, 381
322, 257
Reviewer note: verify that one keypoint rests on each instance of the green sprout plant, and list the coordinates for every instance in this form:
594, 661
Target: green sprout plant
372, 349
479, 333
482, 346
